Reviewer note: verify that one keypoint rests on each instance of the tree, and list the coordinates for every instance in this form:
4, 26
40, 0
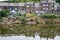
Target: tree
4, 13
23, 0
14, 1
58, 1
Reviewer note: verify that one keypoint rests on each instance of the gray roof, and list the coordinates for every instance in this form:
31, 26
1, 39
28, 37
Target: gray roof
12, 4
29, 2
48, 1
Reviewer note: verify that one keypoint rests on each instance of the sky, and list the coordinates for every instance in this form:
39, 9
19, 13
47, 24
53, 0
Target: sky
2, 0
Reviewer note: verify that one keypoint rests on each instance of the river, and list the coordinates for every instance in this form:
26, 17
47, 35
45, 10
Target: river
30, 32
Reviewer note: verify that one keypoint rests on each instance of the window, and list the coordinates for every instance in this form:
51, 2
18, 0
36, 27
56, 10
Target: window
43, 8
46, 8
15, 8
52, 4
27, 6
46, 4
10, 8
52, 8
31, 5
49, 9
20, 8
43, 4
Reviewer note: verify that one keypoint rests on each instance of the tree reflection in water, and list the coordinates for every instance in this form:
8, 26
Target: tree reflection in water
44, 31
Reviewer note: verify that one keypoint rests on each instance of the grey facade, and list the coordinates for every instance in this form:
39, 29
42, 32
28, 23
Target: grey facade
47, 5
44, 5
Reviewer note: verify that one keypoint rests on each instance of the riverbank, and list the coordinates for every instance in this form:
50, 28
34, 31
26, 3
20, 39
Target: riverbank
17, 20
30, 19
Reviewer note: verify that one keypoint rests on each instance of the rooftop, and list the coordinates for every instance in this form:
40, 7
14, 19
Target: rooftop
12, 4
48, 1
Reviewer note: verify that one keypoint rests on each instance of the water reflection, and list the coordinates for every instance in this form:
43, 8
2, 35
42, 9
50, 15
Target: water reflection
27, 38
30, 32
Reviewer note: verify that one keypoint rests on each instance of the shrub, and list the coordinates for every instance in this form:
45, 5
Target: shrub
50, 16
58, 15
33, 14
4, 13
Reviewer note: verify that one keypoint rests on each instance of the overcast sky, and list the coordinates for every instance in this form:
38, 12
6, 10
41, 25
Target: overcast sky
2, 0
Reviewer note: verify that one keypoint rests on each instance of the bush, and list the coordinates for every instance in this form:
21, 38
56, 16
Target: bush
58, 15
50, 16
33, 14
4, 13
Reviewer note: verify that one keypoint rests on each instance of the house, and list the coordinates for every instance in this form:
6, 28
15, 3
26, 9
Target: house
29, 6
12, 6
22, 7
57, 8
37, 5
32, 6
47, 6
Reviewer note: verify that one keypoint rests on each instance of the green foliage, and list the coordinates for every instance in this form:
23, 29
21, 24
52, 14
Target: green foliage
58, 15
58, 1
50, 16
23, 0
4, 13
14, 0
33, 14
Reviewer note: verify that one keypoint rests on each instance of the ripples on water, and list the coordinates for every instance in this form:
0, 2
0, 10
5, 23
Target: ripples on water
30, 32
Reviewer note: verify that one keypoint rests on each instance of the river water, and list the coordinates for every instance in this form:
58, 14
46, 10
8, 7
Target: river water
30, 32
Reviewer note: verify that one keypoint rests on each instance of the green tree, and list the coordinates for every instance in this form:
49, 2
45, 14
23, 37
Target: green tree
23, 0
58, 1
14, 1
4, 13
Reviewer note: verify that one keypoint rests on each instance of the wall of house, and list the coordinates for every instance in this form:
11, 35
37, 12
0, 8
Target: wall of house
47, 7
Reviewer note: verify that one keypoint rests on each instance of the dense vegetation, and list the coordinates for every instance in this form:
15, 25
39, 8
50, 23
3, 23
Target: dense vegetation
50, 16
28, 0
58, 1
4, 13
23, 0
